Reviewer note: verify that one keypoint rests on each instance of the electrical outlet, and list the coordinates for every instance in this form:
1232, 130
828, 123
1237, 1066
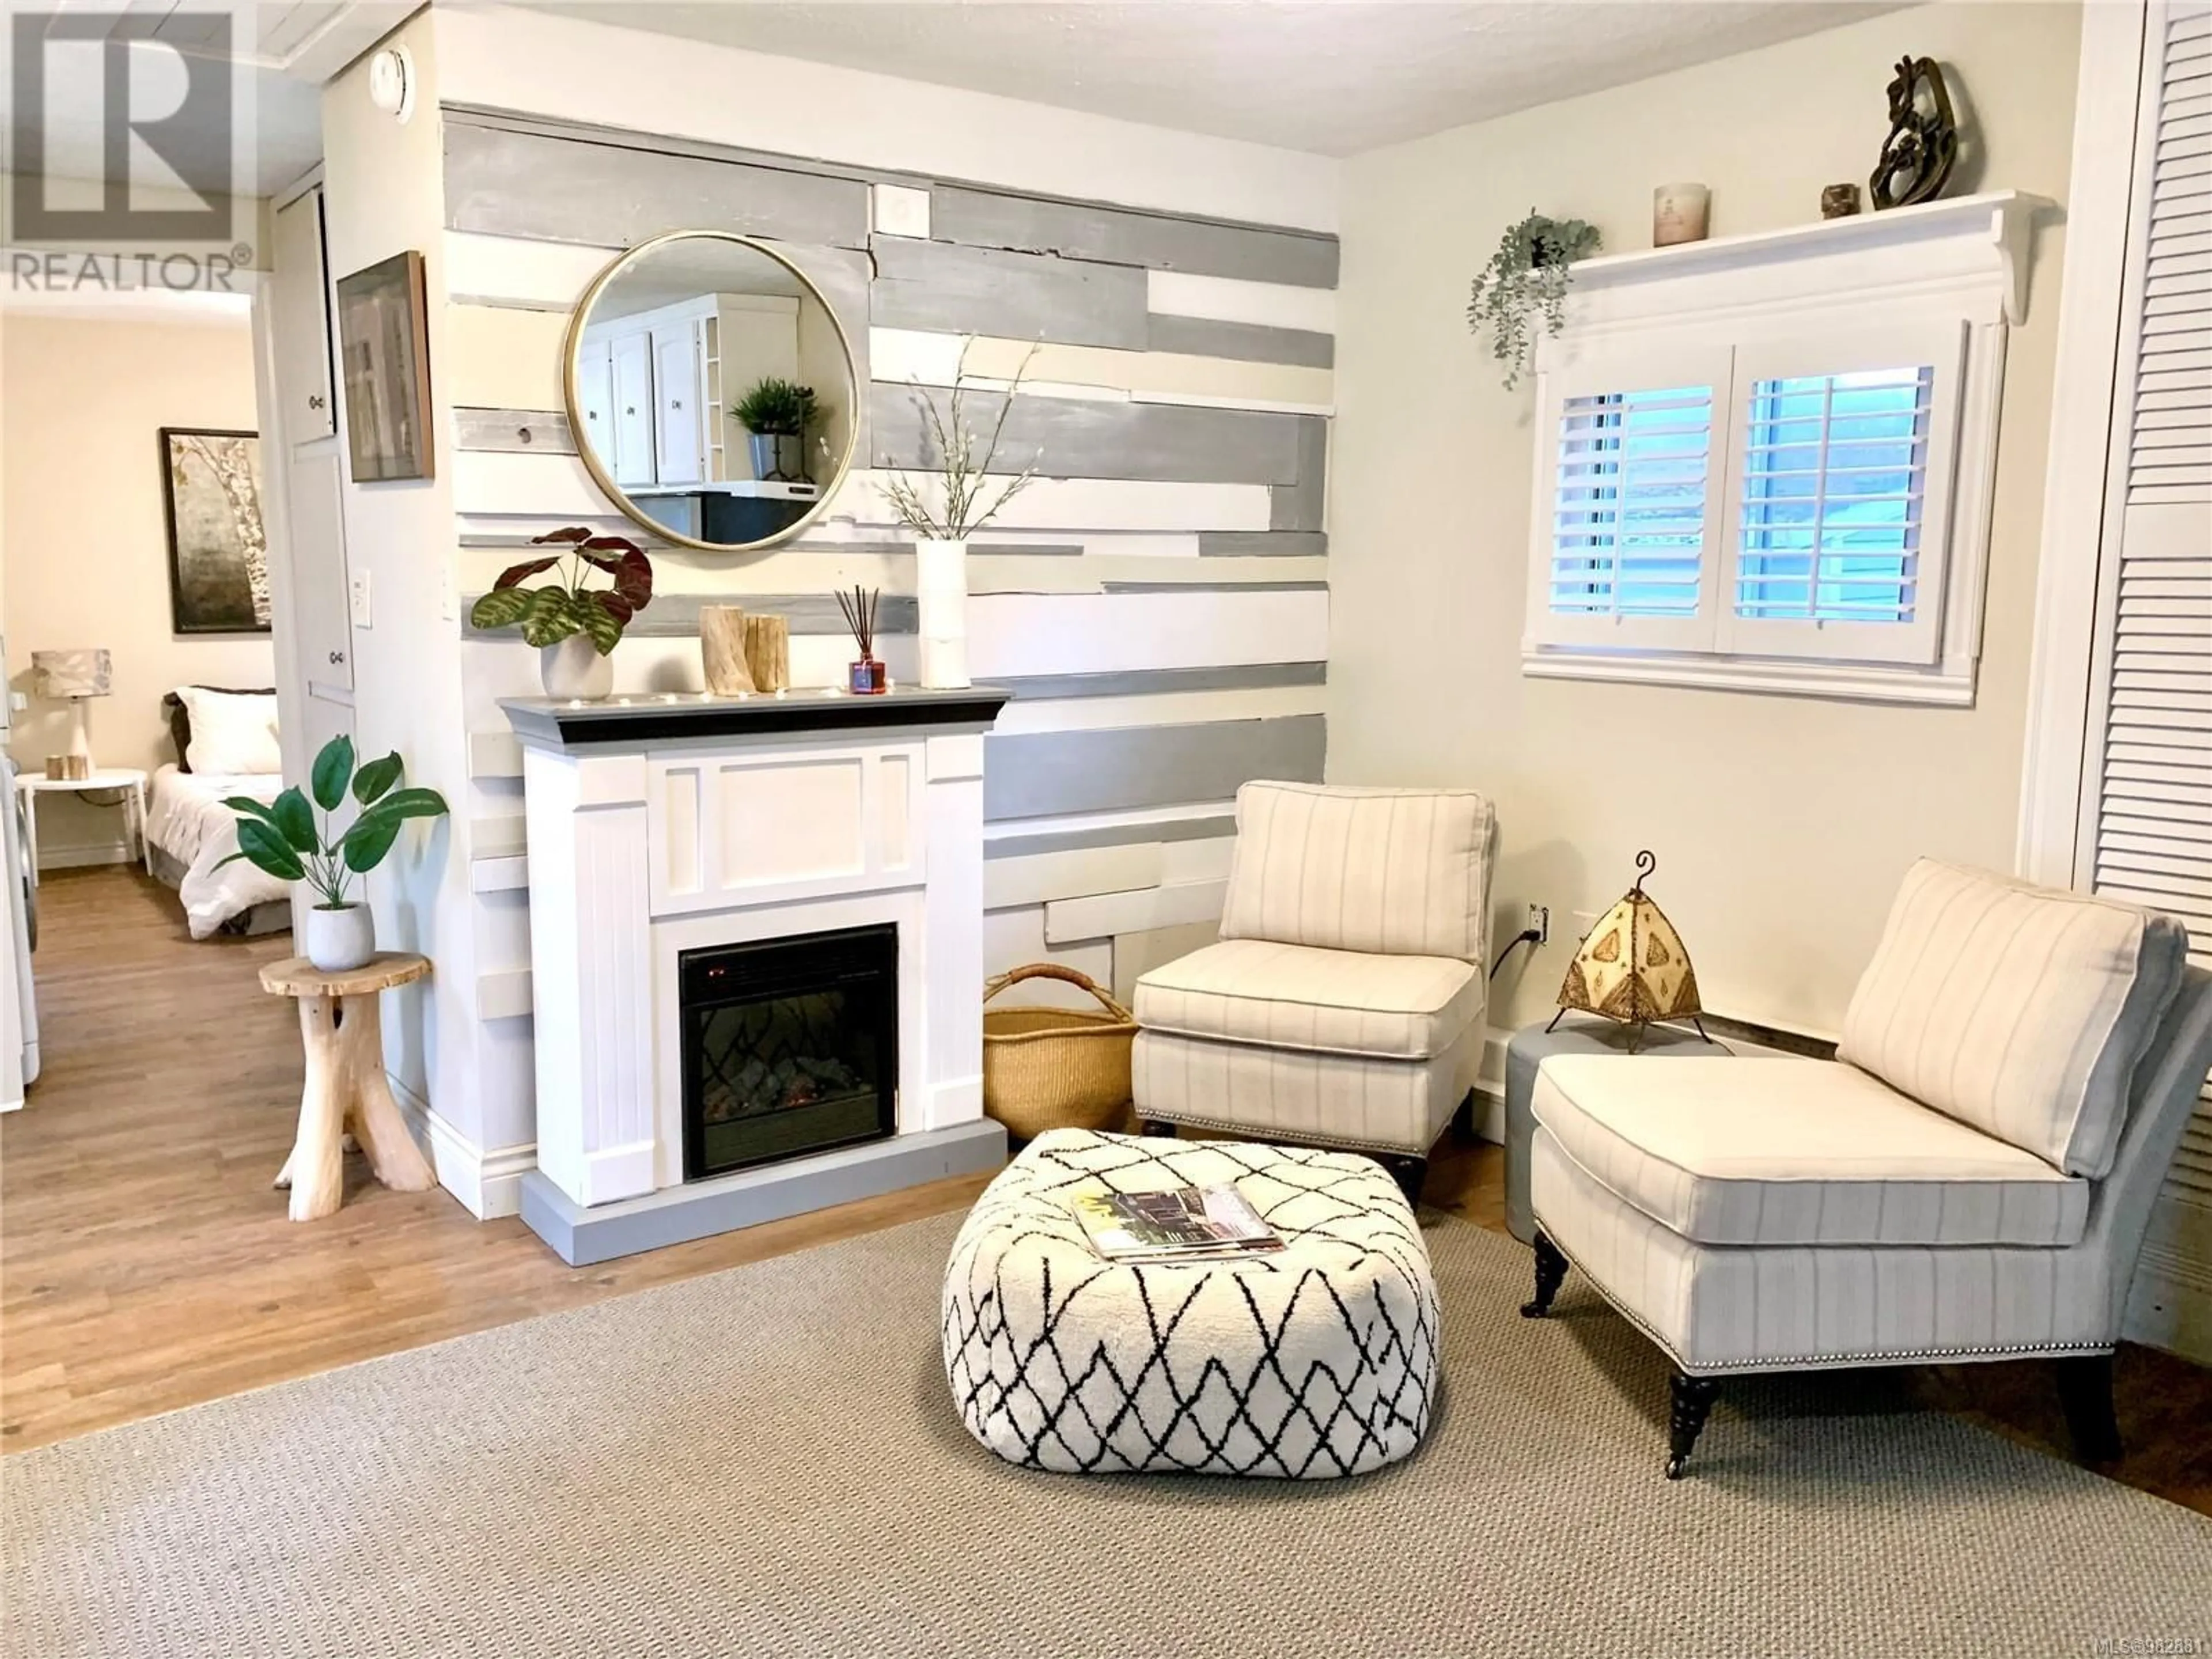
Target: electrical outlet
1539, 922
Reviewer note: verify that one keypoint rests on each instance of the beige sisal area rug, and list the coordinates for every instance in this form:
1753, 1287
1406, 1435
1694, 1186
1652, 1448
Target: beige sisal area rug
765, 1463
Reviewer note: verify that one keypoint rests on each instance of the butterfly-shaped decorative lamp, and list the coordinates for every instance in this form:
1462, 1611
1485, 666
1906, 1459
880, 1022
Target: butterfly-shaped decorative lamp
1632, 966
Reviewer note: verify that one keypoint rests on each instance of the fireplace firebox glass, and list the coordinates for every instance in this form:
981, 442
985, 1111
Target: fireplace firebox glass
790, 1047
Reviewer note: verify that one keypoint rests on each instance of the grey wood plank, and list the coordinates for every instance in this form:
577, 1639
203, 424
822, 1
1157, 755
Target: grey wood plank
614, 194
845, 276
1261, 543
1102, 438
1250, 343
616, 525
540, 431
1156, 241
1139, 682
1022, 296
1301, 506
1043, 774
1111, 835
676, 616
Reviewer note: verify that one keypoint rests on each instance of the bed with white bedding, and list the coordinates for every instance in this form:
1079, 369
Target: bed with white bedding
193, 832
226, 743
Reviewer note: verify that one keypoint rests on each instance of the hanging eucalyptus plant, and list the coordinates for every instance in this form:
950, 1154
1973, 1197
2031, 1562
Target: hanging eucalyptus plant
1527, 275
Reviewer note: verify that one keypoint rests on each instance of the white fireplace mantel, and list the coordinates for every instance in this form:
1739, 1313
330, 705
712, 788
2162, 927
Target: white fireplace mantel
660, 825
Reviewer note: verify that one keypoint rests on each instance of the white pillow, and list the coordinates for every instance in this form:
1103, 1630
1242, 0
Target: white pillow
232, 731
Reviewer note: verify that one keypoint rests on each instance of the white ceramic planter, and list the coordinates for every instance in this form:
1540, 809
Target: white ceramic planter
941, 586
340, 939
574, 669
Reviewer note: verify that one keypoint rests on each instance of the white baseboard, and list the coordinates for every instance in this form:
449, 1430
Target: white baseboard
78, 858
489, 1184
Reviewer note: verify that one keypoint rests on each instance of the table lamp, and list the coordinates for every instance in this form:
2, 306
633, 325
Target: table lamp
1632, 966
79, 676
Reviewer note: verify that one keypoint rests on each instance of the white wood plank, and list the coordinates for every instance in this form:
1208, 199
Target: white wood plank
1013, 938
1084, 633
1172, 709
487, 481
1233, 300
1024, 829
898, 210
517, 271
503, 995
1196, 860
1110, 913
1044, 877
493, 754
496, 357
499, 837
1156, 376
1063, 504
500, 875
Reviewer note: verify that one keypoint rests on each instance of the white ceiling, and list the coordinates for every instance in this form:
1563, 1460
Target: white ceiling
1335, 76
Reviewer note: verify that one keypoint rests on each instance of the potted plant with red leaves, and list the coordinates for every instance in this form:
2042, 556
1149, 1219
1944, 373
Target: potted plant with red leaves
573, 624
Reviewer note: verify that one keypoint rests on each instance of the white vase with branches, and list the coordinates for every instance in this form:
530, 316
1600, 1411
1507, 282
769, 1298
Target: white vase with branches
960, 494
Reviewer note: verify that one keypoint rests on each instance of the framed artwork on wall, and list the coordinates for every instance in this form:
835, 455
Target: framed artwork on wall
218, 550
383, 355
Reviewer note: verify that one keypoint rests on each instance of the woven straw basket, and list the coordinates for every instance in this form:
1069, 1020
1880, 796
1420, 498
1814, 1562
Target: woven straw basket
1055, 1068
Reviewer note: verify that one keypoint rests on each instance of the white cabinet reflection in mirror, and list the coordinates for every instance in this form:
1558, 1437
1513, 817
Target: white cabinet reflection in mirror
671, 338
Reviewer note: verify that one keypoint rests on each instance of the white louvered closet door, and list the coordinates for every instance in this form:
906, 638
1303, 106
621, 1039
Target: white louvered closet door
2147, 823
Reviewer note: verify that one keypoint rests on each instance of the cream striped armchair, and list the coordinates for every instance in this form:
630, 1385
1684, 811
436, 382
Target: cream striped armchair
1970, 1179
1343, 1004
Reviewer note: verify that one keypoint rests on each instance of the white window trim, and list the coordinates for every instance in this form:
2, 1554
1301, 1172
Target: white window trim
1960, 263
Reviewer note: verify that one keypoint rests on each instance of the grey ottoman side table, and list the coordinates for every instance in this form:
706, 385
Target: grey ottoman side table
1576, 1033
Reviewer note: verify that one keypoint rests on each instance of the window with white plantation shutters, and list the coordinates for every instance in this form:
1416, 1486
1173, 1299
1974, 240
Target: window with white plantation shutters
2148, 822
1770, 469
1628, 526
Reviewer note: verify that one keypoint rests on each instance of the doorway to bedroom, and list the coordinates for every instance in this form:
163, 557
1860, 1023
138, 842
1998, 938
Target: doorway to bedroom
139, 623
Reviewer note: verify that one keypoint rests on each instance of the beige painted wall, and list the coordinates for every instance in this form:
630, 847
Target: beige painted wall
85, 549
1780, 825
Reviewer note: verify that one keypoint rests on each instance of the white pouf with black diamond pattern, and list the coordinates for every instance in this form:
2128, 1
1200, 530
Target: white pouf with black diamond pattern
1317, 1360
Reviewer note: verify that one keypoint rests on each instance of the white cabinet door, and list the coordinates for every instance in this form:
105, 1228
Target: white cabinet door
301, 322
313, 495
595, 397
676, 379
632, 406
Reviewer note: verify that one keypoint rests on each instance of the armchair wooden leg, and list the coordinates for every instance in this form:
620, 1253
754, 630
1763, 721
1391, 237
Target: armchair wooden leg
1409, 1173
1550, 1273
1462, 1123
2085, 1391
1689, 1399
1159, 1128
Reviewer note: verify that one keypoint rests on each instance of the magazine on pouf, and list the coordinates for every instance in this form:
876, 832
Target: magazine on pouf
1185, 1223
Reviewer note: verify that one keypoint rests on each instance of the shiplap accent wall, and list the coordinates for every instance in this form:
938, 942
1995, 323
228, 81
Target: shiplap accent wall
1157, 599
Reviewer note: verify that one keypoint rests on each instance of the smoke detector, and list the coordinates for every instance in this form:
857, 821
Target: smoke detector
392, 82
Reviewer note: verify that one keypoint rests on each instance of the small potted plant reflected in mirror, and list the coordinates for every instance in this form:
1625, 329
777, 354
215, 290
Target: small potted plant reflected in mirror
1528, 277
282, 838
777, 412
575, 626
864, 675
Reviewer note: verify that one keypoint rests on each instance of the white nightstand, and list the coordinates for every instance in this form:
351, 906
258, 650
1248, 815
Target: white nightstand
128, 779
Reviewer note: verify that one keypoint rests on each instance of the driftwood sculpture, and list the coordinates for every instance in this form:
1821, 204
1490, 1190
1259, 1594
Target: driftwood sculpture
1922, 145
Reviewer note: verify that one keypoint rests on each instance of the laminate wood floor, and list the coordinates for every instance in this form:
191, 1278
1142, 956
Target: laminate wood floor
146, 1263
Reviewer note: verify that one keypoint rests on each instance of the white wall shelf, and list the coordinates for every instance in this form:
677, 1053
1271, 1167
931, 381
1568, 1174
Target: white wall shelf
2001, 219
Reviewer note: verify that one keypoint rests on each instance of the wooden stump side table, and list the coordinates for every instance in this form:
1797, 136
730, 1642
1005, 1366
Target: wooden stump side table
342, 1032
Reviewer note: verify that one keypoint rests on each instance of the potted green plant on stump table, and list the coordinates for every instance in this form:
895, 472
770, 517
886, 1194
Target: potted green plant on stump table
283, 838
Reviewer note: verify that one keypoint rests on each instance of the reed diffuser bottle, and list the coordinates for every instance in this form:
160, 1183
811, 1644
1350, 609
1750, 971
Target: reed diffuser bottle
864, 675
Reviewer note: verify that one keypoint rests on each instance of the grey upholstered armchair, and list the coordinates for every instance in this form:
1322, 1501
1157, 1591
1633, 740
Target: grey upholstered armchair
1970, 1179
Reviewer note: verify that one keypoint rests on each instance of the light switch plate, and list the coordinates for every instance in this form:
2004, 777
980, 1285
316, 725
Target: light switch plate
357, 593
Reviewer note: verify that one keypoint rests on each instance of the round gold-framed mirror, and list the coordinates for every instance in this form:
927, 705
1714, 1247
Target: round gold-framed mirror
712, 391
